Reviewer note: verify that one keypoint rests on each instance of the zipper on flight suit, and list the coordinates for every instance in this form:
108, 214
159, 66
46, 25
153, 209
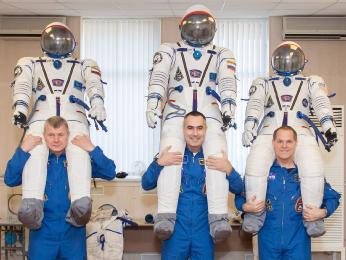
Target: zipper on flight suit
283, 210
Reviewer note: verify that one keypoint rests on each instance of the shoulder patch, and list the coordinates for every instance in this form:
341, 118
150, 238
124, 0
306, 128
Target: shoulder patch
157, 58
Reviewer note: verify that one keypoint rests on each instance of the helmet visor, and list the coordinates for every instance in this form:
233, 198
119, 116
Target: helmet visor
57, 41
288, 59
198, 29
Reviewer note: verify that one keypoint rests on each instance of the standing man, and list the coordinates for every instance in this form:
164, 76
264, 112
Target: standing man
192, 236
56, 238
283, 235
186, 77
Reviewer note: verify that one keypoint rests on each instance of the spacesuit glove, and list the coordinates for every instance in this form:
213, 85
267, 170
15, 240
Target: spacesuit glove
331, 136
19, 118
330, 132
97, 110
227, 118
153, 112
249, 134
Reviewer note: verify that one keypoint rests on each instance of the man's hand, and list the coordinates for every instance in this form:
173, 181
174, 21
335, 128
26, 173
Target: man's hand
221, 164
30, 142
84, 142
313, 213
167, 158
253, 206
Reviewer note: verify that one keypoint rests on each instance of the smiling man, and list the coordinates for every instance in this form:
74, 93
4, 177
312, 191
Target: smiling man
283, 235
191, 238
57, 238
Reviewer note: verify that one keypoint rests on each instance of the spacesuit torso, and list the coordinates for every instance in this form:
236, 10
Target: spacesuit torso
189, 77
287, 102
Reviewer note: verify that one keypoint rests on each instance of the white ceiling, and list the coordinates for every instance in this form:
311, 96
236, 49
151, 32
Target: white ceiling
171, 8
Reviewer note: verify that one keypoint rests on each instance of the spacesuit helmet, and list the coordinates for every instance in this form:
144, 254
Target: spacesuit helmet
197, 27
288, 59
57, 40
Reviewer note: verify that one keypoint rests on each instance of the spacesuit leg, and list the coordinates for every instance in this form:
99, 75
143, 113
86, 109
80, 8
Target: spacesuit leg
258, 164
34, 177
311, 172
216, 183
168, 184
79, 176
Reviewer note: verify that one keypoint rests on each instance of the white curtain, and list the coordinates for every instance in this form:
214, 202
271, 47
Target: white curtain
249, 40
123, 50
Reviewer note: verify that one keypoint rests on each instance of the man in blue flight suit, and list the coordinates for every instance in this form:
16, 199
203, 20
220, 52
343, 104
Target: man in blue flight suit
56, 238
283, 235
191, 237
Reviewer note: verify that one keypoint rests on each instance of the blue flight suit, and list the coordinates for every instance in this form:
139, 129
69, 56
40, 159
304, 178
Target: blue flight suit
191, 236
283, 235
57, 239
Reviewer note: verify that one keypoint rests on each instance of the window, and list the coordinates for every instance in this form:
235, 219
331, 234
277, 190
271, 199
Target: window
248, 39
124, 49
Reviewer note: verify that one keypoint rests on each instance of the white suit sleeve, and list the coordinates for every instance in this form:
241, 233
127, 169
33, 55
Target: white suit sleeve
227, 79
255, 105
92, 76
23, 84
320, 102
159, 77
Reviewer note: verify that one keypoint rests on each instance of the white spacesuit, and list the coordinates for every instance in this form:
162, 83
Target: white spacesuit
184, 78
57, 82
282, 100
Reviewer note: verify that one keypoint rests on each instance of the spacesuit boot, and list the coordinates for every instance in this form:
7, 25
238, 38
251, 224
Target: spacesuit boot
80, 212
253, 222
30, 213
315, 228
164, 225
220, 229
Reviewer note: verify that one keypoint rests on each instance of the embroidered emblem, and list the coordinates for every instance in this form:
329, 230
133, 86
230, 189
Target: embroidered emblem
40, 84
195, 73
269, 205
286, 98
78, 85
212, 77
204, 189
178, 75
157, 58
201, 161
231, 64
96, 70
252, 90
271, 176
296, 177
58, 82
269, 103
17, 71
299, 205
305, 102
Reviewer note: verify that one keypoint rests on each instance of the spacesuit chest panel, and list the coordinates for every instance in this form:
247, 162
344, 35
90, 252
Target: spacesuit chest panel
57, 84
194, 70
286, 101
